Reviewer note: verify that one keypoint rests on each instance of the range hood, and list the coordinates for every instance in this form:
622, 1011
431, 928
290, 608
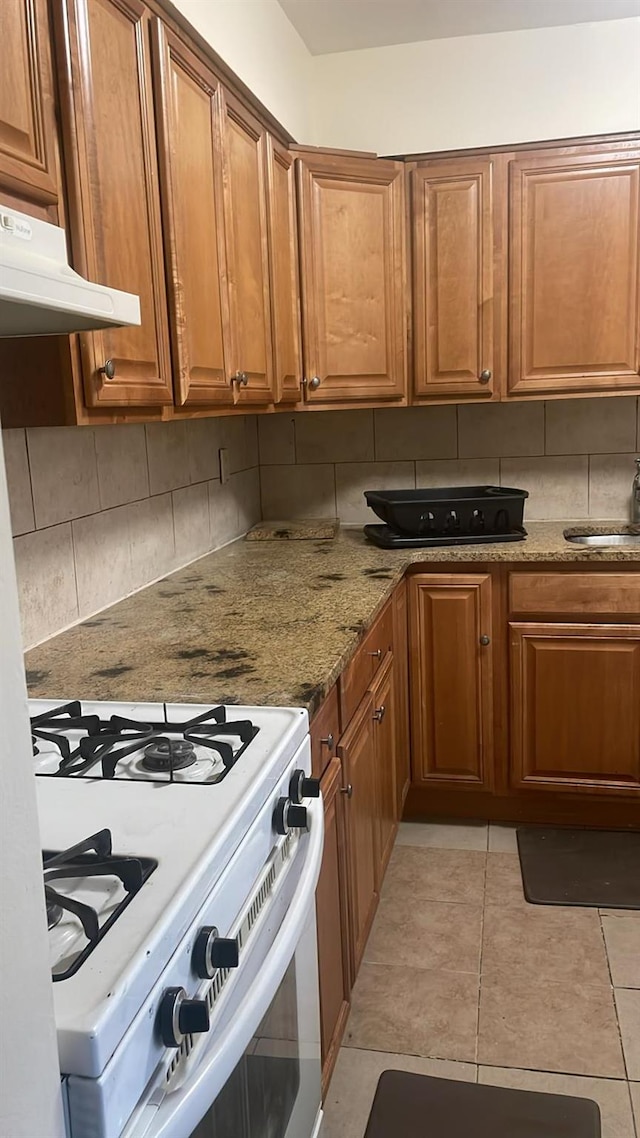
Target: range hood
40, 295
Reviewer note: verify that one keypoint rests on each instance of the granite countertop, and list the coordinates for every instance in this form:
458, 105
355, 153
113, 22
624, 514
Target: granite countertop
258, 622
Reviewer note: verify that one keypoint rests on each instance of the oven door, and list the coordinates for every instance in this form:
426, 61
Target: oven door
260, 1075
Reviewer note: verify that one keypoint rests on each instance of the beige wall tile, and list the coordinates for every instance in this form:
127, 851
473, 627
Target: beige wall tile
610, 480
64, 473
103, 559
234, 507
276, 434
121, 455
628, 1005
611, 1095
415, 432
152, 539
591, 426
233, 436
307, 492
203, 443
246, 487
459, 472
168, 456
558, 486
191, 522
496, 430
334, 436
18, 481
46, 582
251, 439
353, 478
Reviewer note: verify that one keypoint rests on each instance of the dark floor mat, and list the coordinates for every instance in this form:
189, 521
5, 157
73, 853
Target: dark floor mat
419, 1106
593, 868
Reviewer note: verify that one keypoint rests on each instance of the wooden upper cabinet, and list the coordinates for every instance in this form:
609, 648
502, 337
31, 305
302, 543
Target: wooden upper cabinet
284, 276
574, 300
114, 206
454, 278
575, 707
352, 246
28, 148
186, 95
451, 679
245, 295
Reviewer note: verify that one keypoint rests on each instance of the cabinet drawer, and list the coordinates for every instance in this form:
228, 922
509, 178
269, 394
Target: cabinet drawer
358, 674
325, 732
575, 593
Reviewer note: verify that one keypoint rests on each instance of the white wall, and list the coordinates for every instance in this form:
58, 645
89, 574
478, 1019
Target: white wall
30, 1096
481, 90
257, 40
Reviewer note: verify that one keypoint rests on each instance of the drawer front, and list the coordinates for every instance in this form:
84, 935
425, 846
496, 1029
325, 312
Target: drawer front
325, 732
359, 673
575, 594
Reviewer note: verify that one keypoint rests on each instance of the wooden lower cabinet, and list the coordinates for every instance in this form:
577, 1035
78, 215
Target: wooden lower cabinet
451, 679
333, 922
357, 751
575, 707
384, 744
401, 664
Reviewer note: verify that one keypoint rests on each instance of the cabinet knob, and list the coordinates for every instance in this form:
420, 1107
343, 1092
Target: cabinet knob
348, 790
377, 655
485, 375
379, 713
485, 640
314, 383
109, 369
241, 378
328, 742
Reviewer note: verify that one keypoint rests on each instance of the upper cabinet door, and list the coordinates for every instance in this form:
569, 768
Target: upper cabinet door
453, 313
114, 214
246, 295
574, 301
352, 241
186, 101
28, 164
283, 262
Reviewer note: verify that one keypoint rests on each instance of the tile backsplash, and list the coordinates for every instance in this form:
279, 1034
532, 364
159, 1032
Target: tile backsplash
574, 456
98, 513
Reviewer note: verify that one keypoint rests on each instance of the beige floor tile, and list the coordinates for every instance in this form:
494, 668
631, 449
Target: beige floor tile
635, 1099
435, 875
502, 839
545, 943
629, 914
622, 938
426, 934
414, 1011
569, 1028
612, 1096
628, 1005
503, 885
355, 1080
444, 835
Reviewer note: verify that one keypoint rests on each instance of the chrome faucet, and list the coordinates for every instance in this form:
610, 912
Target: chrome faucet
635, 496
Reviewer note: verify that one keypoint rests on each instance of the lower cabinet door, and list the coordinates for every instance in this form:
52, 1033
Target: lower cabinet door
451, 679
384, 734
357, 751
401, 664
575, 707
333, 922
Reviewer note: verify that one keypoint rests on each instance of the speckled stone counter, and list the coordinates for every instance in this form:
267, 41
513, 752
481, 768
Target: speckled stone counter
258, 623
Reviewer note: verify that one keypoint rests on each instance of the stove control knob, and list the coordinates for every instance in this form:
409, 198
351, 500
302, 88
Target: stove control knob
211, 952
289, 816
179, 1016
302, 787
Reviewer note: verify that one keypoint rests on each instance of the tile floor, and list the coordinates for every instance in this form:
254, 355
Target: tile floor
462, 978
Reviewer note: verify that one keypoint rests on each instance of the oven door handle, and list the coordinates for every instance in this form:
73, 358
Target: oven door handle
180, 1112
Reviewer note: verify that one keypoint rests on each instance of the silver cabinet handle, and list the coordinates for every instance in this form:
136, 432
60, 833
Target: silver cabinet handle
328, 742
485, 375
377, 655
348, 790
314, 383
109, 369
241, 378
485, 640
379, 713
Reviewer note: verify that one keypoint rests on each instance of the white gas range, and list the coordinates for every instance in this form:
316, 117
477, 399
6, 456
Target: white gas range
181, 850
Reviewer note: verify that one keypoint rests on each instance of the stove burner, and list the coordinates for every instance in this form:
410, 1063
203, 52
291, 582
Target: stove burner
54, 913
169, 754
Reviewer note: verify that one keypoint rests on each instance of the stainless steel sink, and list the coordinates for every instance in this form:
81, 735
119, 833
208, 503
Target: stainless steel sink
603, 540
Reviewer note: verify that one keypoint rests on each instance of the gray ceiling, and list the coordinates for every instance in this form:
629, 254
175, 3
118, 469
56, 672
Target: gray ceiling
345, 25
